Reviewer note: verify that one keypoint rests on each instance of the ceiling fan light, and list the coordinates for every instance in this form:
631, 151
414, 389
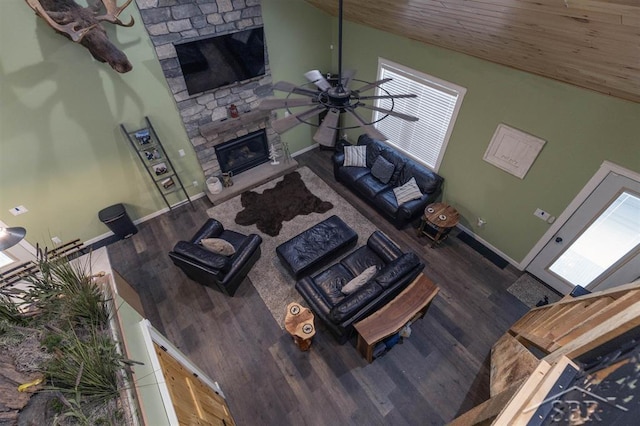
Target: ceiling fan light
9, 237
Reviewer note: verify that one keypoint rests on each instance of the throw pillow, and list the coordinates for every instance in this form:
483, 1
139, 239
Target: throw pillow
407, 192
218, 246
382, 169
359, 281
355, 156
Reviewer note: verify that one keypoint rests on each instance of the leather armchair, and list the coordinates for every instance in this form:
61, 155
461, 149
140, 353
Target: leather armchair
214, 270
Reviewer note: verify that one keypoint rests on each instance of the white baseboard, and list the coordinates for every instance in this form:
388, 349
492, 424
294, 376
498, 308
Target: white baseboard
303, 150
492, 248
145, 218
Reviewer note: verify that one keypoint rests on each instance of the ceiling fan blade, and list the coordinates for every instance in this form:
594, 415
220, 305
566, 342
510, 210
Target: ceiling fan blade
283, 124
275, 103
284, 86
368, 128
316, 77
347, 76
392, 113
326, 133
373, 85
389, 96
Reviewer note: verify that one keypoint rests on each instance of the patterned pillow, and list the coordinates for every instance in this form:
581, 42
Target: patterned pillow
355, 156
382, 169
218, 246
407, 192
359, 281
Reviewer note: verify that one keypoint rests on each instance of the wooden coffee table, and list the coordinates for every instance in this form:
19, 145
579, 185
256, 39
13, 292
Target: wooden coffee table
408, 306
299, 323
437, 222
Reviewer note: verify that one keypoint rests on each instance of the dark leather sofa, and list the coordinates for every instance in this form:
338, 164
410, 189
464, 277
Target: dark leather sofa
323, 292
380, 195
214, 270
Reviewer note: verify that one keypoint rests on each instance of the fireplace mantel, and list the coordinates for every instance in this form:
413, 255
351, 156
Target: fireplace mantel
233, 124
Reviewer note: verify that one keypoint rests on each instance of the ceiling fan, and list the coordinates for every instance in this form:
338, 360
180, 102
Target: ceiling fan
335, 98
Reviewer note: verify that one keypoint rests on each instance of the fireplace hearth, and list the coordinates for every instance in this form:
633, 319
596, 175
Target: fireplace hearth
243, 153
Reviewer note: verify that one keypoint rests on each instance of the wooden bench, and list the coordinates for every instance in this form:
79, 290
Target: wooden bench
407, 307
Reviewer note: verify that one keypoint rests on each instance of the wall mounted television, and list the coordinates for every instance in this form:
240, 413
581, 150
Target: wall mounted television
222, 60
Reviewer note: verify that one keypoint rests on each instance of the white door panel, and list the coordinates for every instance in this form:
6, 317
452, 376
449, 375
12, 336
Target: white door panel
599, 245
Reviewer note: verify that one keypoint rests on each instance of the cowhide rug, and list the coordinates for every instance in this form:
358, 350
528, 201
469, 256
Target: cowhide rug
288, 199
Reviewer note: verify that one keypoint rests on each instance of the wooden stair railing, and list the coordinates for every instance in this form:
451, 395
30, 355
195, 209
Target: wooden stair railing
547, 335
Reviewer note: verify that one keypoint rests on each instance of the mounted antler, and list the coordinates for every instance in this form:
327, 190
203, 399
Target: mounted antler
82, 25
113, 11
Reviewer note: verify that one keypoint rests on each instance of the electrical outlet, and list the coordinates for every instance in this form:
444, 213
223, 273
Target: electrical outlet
195, 183
181, 152
18, 210
541, 214
56, 240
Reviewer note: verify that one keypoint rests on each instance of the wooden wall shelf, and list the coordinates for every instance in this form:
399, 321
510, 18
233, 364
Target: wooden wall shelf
232, 124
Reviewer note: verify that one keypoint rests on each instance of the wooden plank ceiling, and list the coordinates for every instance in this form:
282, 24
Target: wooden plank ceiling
593, 44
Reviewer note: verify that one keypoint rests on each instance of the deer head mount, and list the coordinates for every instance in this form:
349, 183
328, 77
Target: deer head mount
83, 25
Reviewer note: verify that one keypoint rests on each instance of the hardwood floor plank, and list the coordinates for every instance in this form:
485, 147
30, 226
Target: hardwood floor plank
440, 371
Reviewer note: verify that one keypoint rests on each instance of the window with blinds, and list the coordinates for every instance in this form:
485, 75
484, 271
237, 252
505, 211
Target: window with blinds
436, 107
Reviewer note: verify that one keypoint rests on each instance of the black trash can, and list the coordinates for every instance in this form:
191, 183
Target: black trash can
118, 221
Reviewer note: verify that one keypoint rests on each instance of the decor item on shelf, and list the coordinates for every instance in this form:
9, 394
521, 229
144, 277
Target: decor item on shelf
273, 155
285, 151
9, 237
147, 145
83, 25
227, 179
233, 111
168, 183
214, 185
334, 99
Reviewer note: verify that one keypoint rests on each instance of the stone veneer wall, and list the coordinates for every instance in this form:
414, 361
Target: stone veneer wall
177, 21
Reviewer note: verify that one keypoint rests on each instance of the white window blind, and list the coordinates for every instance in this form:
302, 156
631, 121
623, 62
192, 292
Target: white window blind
436, 107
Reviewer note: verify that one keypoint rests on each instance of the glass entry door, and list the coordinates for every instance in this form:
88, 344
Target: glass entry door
599, 246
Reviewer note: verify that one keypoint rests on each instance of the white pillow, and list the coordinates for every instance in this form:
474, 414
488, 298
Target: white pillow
355, 156
218, 246
359, 281
407, 192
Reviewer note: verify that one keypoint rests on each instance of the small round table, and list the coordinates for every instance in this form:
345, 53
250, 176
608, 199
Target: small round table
299, 323
437, 222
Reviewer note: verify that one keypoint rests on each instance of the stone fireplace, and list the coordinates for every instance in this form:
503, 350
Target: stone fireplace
243, 153
205, 115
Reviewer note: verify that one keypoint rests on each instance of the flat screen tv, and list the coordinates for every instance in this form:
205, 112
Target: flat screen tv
222, 60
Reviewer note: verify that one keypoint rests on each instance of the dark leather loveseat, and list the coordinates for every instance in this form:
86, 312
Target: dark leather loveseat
322, 292
225, 273
380, 195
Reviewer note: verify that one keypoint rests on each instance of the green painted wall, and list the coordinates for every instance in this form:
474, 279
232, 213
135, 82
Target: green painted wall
62, 154
63, 157
298, 38
582, 129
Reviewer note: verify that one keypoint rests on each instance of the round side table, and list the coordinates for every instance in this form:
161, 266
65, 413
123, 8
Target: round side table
299, 324
437, 222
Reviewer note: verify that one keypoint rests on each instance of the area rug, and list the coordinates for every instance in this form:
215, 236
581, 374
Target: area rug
271, 280
288, 199
529, 290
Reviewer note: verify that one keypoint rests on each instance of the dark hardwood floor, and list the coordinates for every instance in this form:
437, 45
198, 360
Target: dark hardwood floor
441, 371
